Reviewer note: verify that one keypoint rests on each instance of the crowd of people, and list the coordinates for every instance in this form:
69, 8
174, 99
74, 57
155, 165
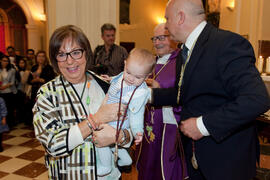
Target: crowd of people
190, 109
20, 78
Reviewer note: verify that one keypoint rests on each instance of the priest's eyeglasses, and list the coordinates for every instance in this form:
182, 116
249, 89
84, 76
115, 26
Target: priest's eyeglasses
75, 54
160, 38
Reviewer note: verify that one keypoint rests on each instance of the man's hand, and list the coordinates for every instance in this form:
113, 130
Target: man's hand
189, 128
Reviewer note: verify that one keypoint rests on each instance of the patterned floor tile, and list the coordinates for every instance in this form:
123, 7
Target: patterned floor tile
14, 151
31, 155
29, 134
43, 176
19, 132
40, 147
41, 160
16, 140
14, 177
32, 143
6, 146
32, 170
3, 174
4, 158
23, 158
7, 136
13, 165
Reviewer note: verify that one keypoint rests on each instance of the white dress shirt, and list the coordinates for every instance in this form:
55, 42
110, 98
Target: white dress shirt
190, 43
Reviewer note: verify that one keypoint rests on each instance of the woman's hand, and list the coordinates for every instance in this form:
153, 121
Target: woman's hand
105, 136
108, 112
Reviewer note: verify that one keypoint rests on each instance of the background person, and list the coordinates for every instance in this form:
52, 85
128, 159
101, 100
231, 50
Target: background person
221, 93
109, 58
30, 58
14, 58
3, 121
41, 73
8, 89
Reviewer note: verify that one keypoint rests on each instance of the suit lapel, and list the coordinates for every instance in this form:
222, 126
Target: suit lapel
195, 58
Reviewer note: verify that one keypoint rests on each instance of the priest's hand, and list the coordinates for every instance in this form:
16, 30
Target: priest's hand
152, 83
189, 128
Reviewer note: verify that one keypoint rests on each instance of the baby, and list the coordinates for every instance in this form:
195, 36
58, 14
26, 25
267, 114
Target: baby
138, 67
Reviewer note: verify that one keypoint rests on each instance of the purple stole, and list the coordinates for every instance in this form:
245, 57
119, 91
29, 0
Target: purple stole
157, 157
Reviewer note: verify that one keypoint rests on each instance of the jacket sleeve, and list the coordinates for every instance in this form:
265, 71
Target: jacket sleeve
48, 126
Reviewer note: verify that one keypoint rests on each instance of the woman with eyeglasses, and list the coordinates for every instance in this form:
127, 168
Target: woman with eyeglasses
69, 107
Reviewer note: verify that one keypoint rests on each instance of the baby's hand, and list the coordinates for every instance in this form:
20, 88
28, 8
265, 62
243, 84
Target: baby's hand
106, 77
138, 138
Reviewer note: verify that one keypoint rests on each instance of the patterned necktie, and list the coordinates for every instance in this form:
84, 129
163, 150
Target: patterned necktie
184, 53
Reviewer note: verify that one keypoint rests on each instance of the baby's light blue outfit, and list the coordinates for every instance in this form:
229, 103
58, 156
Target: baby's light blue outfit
135, 117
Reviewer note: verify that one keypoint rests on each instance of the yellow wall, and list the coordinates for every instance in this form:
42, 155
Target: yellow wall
143, 19
265, 35
36, 28
249, 17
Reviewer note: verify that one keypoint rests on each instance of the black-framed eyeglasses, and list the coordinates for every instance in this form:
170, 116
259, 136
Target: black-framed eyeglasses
75, 54
160, 38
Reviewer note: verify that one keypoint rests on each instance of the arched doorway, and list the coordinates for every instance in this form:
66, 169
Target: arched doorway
12, 27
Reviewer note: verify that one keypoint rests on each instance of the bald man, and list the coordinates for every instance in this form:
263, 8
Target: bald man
157, 157
221, 93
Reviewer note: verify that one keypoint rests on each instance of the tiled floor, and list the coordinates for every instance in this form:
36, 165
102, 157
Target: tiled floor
22, 158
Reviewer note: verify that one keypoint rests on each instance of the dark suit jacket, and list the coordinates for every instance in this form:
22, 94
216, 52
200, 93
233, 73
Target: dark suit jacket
221, 84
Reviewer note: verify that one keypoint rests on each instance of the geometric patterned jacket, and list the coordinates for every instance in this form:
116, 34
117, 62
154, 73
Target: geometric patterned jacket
53, 116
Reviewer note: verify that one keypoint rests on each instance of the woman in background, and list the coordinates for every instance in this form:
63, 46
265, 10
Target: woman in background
41, 73
23, 106
7, 88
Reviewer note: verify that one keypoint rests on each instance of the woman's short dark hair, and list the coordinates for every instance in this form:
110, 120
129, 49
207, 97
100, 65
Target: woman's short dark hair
77, 35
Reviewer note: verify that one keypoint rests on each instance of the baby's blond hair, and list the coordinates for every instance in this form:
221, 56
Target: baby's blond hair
143, 57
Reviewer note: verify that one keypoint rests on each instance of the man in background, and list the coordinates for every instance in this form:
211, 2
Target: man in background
30, 58
109, 58
14, 59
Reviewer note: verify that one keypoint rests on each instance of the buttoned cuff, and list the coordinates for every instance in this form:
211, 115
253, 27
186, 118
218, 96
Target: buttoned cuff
202, 127
151, 95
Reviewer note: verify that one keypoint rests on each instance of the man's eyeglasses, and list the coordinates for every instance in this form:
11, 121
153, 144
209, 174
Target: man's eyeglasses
160, 38
75, 54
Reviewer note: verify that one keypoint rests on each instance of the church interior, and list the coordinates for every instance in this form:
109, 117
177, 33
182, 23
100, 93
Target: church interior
28, 24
